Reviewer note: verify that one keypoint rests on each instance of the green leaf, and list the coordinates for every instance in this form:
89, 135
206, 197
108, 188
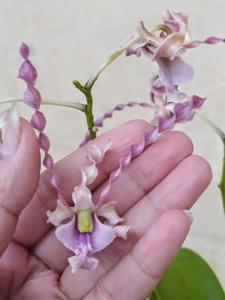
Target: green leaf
189, 278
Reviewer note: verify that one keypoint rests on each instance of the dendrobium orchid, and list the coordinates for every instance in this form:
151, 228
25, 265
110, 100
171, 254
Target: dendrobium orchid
84, 233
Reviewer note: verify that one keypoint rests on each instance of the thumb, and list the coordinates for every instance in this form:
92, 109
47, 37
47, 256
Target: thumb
19, 171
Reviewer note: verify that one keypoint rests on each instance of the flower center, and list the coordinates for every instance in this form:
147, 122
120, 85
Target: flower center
84, 221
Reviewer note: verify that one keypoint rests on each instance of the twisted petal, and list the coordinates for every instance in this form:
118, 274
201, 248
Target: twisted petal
175, 72
166, 123
197, 101
32, 97
122, 231
76, 262
82, 196
108, 212
24, 50
28, 73
59, 215
102, 236
95, 157
183, 111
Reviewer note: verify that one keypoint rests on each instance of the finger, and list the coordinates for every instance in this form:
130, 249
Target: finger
149, 169
146, 262
18, 181
174, 192
32, 224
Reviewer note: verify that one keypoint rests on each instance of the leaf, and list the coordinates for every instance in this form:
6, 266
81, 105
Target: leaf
189, 278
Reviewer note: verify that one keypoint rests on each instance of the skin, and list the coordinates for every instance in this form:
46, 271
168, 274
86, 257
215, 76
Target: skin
151, 194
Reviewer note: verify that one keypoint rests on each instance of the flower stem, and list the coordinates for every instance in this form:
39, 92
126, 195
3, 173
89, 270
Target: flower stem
222, 182
89, 107
78, 106
91, 81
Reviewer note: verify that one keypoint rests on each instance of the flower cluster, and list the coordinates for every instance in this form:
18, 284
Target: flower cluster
165, 44
84, 233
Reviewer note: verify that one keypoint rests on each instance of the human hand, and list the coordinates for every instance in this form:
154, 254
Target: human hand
151, 194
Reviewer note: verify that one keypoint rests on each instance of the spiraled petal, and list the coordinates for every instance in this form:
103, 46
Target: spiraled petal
122, 231
102, 236
82, 196
166, 123
175, 72
183, 111
60, 214
95, 157
68, 235
108, 212
90, 263
96, 154
75, 263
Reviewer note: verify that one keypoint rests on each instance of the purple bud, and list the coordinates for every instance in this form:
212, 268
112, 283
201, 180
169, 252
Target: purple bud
48, 161
38, 121
43, 142
27, 72
24, 51
32, 97
197, 101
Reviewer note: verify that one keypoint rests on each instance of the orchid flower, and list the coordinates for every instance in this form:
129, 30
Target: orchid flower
84, 233
165, 40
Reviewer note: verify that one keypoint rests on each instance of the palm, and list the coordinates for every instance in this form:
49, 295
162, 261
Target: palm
150, 193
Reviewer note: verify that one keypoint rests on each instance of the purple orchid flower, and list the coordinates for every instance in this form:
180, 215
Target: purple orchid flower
84, 233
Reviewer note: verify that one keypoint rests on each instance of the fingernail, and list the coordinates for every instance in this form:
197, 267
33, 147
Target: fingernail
189, 214
10, 131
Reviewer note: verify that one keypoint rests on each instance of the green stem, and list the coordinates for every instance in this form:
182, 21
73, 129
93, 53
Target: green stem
91, 81
78, 106
222, 182
89, 108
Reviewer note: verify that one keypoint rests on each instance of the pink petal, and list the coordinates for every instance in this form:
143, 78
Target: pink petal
68, 235
60, 214
108, 212
102, 236
174, 72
